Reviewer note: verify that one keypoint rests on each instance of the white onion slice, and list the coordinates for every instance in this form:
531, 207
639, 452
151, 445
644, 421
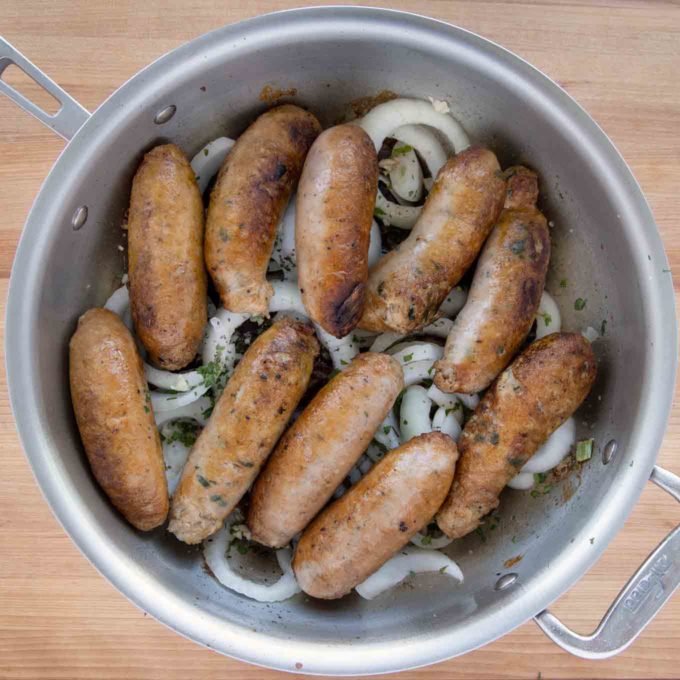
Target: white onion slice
175, 455
194, 410
214, 551
217, 341
428, 543
414, 414
408, 561
388, 432
555, 448
446, 423
449, 402
119, 301
548, 319
209, 159
342, 350
425, 142
417, 351
470, 401
590, 334
384, 341
406, 175
454, 302
374, 245
417, 371
381, 121
286, 298
522, 482
439, 328
167, 380
402, 216
166, 401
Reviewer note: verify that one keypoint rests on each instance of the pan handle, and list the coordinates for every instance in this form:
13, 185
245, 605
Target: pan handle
71, 115
636, 605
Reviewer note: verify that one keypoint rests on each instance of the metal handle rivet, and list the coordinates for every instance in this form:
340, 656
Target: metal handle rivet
609, 451
506, 581
79, 217
164, 115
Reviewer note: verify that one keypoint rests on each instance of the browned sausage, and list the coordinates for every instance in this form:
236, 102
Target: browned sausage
165, 252
334, 212
245, 424
252, 190
504, 296
358, 533
321, 447
540, 389
114, 416
407, 286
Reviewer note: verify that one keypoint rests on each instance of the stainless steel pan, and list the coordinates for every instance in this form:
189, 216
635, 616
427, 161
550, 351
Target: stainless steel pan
605, 243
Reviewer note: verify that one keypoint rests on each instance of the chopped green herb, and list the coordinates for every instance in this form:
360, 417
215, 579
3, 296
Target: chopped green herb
204, 482
344, 363
430, 370
547, 319
584, 450
401, 150
564, 283
480, 532
426, 540
408, 357
386, 429
443, 569
146, 409
211, 373
185, 431
580, 304
206, 151
378, 212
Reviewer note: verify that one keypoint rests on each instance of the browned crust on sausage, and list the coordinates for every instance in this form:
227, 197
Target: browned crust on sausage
320, 448
503, 301
359, 532
114, 416
165, 252
334, 213
244, 426
252, 190
528, 402
522, 189
407, 286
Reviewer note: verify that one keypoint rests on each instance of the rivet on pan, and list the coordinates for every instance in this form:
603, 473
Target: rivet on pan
609, 451
164, 115
79, 217
506, 581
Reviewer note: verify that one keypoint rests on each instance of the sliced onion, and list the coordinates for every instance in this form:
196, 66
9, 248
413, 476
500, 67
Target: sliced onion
119, 301
548, 319
439, 328
590, 334
391, 213
214, 551
470, 401
286, 298
384, 341
219, 331
425, 142
454, 302
167, 380
555, 448
194, 410
406, 353
449, 402
375, 245
417, 371
388, 432
381, 121
209, 159
408, 561
446, 423
414, 415
406, 175
166, 401
522, 482
175, 455
342, 350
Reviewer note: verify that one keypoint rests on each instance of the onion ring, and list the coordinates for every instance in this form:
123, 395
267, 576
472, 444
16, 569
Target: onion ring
166, 401
522, 481
425, 142
388, 433
446, 423
196, 410
555, 448
406, 175
209, 159
414, 414
408, 561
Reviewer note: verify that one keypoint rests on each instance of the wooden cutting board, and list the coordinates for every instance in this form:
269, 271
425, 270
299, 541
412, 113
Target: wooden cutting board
58, 617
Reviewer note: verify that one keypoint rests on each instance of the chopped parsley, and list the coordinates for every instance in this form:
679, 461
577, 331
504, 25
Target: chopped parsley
564, 283
378, 212
547, 319
211, 373
580, 304
584, 450
401, 150
386, 429
185, 431
443, 569
408, 357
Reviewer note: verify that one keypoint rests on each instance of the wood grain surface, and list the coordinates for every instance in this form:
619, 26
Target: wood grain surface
58, 617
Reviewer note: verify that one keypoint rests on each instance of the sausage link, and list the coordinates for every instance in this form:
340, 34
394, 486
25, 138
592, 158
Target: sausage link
358, 533
245, 424
252, 190
504, 296
113, 411
334, 212
407, 286
320, 448
165, 252
540, 389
